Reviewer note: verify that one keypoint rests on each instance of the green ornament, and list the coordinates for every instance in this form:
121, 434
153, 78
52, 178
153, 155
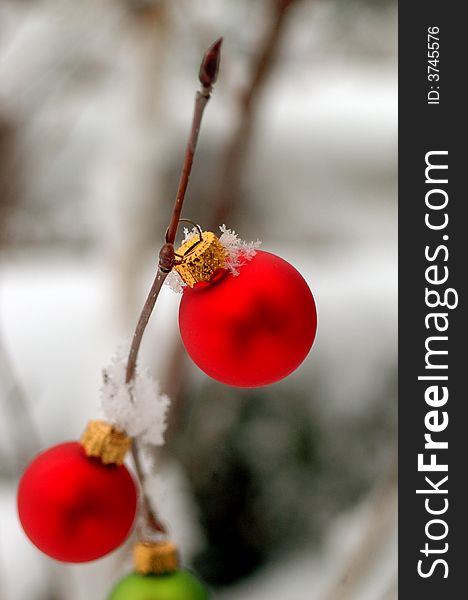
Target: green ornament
178, 585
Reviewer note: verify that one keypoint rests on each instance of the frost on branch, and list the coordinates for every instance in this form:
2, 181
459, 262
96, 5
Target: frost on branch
145, 416
238, 253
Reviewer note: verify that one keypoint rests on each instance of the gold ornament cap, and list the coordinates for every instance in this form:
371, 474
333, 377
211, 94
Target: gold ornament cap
102, 440
200, 258
155, 558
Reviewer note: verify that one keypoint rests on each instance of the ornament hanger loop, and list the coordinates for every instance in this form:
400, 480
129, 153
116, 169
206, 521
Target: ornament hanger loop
200, 238
196, 225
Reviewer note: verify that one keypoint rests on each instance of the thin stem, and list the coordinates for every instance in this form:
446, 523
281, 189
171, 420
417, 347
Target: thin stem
208, 74
142, 323
150, 513
201, 100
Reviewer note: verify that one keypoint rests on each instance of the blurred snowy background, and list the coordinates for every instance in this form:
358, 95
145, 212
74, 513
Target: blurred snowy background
281, 493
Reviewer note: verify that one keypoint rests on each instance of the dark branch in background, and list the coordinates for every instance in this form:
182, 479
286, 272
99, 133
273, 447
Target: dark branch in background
223, 196
208, 74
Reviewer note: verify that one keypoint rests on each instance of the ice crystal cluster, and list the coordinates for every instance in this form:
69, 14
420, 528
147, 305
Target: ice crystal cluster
238, 252
137, 408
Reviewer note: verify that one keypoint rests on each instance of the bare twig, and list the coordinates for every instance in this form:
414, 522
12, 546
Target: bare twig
150, 514
208, 74
143, 320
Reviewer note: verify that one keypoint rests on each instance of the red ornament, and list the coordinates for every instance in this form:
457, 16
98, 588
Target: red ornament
252, 329
73, 507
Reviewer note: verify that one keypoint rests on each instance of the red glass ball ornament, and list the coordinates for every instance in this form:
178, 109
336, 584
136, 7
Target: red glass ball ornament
75, 508
252, 329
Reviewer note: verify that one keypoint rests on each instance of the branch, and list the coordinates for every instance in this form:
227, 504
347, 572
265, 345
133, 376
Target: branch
208, 74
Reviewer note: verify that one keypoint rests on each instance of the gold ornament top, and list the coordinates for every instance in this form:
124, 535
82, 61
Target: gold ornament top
200, 258
155, 558
102, 440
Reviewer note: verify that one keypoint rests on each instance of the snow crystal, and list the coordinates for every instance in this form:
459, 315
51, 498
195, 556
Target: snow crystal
238, 252
138, 408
